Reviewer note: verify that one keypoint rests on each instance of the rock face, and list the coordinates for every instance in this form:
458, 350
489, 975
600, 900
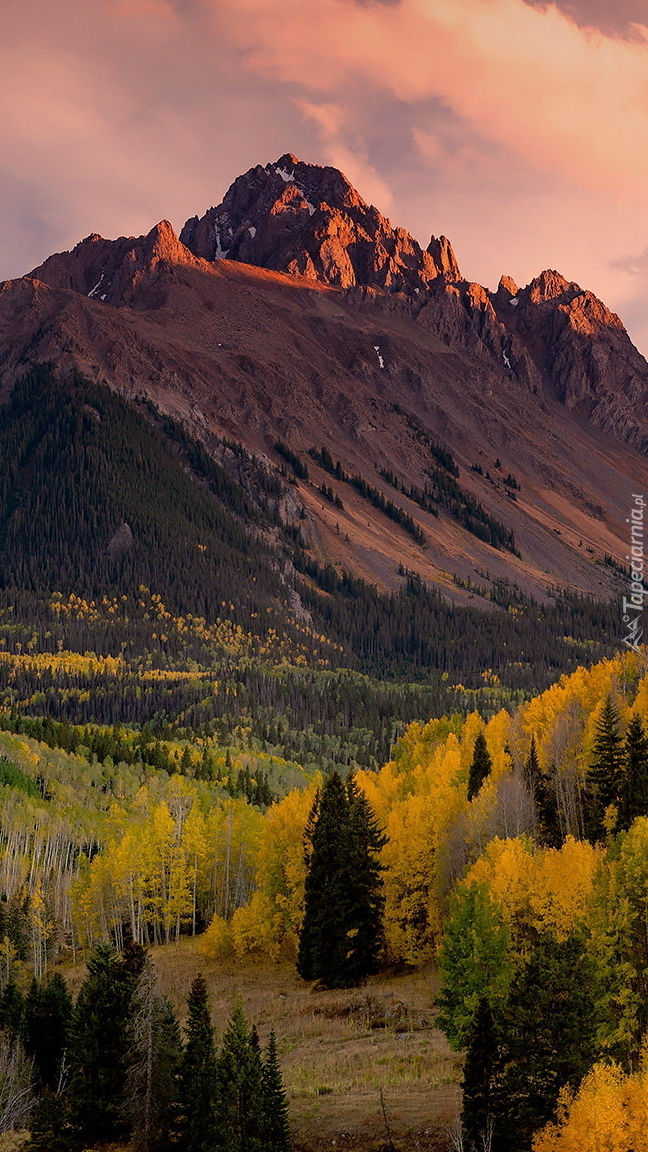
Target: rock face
309, 221
295, 311
581, 352
113, 271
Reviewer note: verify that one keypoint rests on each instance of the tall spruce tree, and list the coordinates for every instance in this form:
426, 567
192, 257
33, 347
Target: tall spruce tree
12, 1011
197, 1087
365, 896
605, 783
323, 937
480, 766
548, 1037
48, 1125
341, 934
275, 1130
635, 792
48, 1017
240, 1101
99, 1044
481, 1082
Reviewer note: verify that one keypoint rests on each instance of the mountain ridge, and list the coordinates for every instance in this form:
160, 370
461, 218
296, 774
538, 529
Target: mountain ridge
406, 352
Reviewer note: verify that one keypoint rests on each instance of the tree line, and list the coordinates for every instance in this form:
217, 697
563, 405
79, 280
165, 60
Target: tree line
113, 1066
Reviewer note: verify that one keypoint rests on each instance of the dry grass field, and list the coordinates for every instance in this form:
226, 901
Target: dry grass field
339, 1049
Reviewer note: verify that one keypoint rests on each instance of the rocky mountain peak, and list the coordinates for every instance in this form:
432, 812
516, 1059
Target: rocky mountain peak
111, 270
309, 221
550, 285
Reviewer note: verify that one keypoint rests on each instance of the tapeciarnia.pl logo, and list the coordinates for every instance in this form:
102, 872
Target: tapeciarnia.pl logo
633, 605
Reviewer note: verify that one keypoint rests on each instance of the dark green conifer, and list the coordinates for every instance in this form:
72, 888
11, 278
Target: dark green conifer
606, 775
48, 1016
548, 1037
12, 1011
240, 1104
480, 766
635, 798
481, 1082
197, 1088
48, 1126
99, 1044
322, 940
365, 897
341, 936
275, 1128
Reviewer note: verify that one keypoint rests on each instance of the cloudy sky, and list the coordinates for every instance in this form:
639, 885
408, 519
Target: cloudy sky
518, 128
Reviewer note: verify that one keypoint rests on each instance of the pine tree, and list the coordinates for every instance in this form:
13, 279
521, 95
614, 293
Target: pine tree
48, 1125
635, 797
475, 960
323, 939
275, 1126
547, 1037
156, 1052
12, 1011
606, 775
48, 1016
99, 1043
365, 898
341, 936
240, 1103
481, 1089
480, 766
532, 772
197, 1087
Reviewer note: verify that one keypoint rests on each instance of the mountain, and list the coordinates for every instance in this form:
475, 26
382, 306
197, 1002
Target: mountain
465, 436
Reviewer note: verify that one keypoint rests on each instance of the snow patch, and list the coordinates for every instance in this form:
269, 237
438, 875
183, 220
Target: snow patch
252, 231
220, 252
507, 362
285, 176
98, 286
417, 290
514, 302
311, 207
380, 358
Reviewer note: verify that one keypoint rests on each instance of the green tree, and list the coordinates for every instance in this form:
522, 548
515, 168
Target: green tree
275, 1126
635, 792
474, 961
480, 766
197, 1088
48, 1017
12, 1011
240, 1103
99, 1044
365, 897
605, 782
341, 935
548, 1036
481, 1075
48, 1125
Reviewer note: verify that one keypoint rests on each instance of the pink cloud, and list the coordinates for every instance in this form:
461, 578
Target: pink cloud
502, 124
561, 96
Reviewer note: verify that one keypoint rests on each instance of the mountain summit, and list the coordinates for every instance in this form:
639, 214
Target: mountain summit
309, 221
436, 427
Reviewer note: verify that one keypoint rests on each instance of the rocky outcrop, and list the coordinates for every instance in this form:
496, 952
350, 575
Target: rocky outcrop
309, 221
580, 350
114, 271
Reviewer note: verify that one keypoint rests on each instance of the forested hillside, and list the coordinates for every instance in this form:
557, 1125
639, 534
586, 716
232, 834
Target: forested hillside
512, 852
207, 729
